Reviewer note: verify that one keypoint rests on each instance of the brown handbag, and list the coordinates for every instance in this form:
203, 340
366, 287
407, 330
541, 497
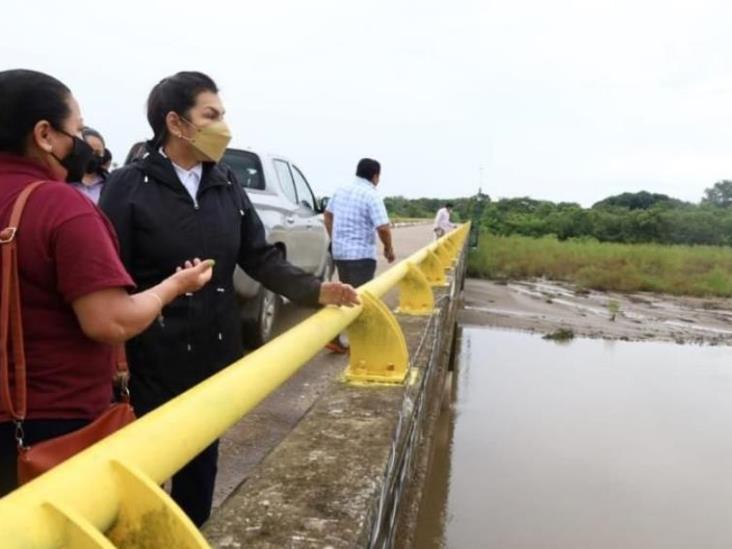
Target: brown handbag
35, 460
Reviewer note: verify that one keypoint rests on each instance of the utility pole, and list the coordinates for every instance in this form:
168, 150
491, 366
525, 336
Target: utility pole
477, 213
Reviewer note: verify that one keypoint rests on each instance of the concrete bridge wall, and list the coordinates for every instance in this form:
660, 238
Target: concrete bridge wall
350, 474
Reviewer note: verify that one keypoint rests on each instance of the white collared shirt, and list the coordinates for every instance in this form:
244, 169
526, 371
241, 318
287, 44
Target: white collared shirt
442, 220
190, 179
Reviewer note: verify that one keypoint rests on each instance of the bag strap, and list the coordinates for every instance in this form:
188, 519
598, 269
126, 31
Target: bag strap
123, 372
11, 325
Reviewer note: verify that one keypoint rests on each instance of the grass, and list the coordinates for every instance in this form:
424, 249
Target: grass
677, 270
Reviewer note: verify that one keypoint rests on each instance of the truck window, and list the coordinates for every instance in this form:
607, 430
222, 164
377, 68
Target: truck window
304, 193
246, 166
286, 183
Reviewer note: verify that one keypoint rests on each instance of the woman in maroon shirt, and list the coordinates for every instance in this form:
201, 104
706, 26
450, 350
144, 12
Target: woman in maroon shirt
74, 290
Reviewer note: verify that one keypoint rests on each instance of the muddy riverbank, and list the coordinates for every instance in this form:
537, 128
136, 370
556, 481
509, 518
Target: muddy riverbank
542, 306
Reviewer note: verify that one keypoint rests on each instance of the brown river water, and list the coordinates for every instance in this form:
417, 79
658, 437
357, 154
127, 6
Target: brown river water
586, 444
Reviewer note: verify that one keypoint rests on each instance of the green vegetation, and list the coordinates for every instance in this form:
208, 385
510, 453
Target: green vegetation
679, 270
628, 242
613, 308
562, 334
626, 218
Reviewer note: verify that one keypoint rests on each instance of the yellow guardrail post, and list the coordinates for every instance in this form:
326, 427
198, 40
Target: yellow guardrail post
433, 269
443, 255
452, 251
109, 494
415, 293
74, 529
462, 233
148, 517
378, 350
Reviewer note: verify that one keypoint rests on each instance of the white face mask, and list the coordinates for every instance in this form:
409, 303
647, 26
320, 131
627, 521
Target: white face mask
211, 141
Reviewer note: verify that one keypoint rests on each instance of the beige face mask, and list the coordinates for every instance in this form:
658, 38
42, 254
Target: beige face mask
211, 141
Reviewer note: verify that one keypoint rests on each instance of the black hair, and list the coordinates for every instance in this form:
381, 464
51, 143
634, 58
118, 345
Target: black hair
178, 94
368, 168
448, 205
137, 151
86, 131
26, 98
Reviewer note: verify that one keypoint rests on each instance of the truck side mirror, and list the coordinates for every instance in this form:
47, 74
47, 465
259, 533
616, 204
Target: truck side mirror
323, 204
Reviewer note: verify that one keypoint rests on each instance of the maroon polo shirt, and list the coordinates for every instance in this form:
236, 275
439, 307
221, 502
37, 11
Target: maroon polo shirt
66, 249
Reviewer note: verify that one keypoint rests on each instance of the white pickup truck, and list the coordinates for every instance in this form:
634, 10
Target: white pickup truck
293, 221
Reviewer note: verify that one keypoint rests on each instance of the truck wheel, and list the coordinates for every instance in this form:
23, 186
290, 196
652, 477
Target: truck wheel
258, 329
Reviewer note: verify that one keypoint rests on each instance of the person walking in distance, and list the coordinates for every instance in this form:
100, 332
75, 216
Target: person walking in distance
442, 224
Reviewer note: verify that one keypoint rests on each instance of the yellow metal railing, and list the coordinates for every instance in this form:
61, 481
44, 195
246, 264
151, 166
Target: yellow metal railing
109, 495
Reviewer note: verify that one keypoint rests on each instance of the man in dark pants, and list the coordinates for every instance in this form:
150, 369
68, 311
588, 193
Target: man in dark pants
353, 218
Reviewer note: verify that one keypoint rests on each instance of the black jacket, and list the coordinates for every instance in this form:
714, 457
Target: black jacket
160, 227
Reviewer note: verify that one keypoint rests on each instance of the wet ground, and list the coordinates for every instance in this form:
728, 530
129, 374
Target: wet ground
583, 444
543, 306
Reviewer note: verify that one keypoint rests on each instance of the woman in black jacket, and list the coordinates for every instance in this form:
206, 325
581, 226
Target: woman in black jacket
175, 203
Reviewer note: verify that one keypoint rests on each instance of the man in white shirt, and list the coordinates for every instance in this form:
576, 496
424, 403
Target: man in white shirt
442, 223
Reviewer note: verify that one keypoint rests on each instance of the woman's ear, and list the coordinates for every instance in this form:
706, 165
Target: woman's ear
41, 136
175, 124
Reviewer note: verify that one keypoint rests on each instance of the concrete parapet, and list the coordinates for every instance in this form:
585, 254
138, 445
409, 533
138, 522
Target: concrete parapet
350, 474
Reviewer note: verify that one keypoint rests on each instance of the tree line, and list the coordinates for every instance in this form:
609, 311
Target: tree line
640, 217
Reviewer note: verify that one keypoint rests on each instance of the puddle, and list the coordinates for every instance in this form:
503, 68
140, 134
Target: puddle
592, 444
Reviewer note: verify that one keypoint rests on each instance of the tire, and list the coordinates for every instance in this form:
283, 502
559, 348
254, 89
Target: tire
258, 329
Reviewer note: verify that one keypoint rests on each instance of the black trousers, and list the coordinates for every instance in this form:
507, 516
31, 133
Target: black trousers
193, 485
35, 431
356, 272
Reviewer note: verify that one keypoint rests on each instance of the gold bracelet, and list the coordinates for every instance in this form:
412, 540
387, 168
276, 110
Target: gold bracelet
156, 296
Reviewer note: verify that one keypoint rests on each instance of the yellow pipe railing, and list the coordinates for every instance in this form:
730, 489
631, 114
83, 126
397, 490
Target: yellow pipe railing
109, 495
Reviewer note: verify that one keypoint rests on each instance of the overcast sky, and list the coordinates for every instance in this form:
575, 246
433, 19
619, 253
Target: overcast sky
562, 100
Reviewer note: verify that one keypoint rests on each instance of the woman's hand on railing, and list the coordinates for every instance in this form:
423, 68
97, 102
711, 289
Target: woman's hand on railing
336, 293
